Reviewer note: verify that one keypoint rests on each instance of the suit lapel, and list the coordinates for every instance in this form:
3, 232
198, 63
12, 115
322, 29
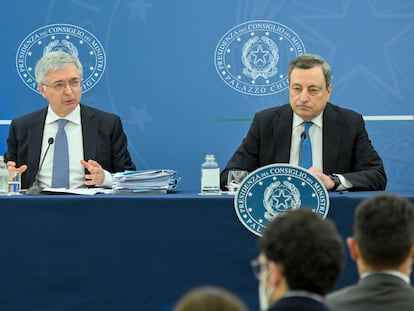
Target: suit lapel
35, 136
283, 137
331, 138
89, 132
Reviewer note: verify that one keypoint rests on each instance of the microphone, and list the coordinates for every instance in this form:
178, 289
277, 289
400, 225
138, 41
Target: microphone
302, 138
35, 188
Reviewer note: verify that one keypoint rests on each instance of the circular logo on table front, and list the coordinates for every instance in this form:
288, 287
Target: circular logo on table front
252, 57
61, 37
274, 189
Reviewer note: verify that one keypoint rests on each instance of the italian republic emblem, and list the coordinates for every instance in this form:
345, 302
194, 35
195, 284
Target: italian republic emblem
272, 190
252, 57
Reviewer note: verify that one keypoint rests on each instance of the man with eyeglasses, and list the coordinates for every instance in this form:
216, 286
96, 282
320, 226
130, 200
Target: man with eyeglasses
94, 140
342, 155
301, 256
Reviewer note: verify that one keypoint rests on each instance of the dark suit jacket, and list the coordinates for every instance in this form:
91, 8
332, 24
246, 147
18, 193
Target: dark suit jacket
347, 149
104, 141
377, 292
298, 303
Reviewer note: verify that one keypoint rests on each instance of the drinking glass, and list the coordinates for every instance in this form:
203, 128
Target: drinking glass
234, 179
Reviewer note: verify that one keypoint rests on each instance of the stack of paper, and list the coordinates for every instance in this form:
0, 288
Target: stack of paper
145, 181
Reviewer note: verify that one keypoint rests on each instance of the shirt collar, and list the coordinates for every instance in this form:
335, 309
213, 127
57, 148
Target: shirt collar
395, 273
303, 293
73, 116
298, 120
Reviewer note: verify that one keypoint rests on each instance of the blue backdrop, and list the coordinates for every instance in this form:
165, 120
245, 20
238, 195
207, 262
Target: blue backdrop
155, 64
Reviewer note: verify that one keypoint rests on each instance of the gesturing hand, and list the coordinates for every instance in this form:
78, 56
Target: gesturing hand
96, 174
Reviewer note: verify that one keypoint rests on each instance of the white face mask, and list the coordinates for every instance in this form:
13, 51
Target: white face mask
265, 291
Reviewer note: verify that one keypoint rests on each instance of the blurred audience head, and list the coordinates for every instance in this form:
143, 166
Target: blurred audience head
383, 233
299, 251
210, 298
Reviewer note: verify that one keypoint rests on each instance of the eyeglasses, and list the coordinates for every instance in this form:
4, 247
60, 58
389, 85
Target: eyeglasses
62, 85
259, 267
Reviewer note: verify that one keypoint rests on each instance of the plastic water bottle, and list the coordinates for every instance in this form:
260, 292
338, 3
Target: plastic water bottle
210, 176
4, 177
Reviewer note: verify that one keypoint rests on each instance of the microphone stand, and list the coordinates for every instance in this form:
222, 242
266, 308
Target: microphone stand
35, 188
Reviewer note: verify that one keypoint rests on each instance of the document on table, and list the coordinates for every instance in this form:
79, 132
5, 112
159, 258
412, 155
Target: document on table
81, 191
144, 181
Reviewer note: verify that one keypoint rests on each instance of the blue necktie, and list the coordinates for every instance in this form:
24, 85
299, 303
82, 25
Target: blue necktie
306, 148
60, 175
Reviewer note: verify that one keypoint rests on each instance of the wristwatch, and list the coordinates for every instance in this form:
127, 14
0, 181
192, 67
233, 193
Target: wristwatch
336, 180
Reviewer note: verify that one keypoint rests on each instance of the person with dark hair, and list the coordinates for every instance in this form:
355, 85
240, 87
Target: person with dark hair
210, 298
92, 143
340, 152
383, 248
301, 256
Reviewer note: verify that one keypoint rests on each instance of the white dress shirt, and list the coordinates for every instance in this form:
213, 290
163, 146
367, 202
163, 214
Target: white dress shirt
315, 133
73, 131
316, 138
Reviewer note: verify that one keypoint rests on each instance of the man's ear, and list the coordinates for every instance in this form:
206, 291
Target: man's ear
353, 248
276, 276
41, 89
329, 89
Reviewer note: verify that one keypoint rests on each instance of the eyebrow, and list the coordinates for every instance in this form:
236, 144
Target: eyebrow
312, 85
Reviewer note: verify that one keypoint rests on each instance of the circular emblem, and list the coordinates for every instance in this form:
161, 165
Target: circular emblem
61, 37
272, 190
252, 57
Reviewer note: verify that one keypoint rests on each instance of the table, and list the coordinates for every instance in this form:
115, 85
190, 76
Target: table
131, 252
